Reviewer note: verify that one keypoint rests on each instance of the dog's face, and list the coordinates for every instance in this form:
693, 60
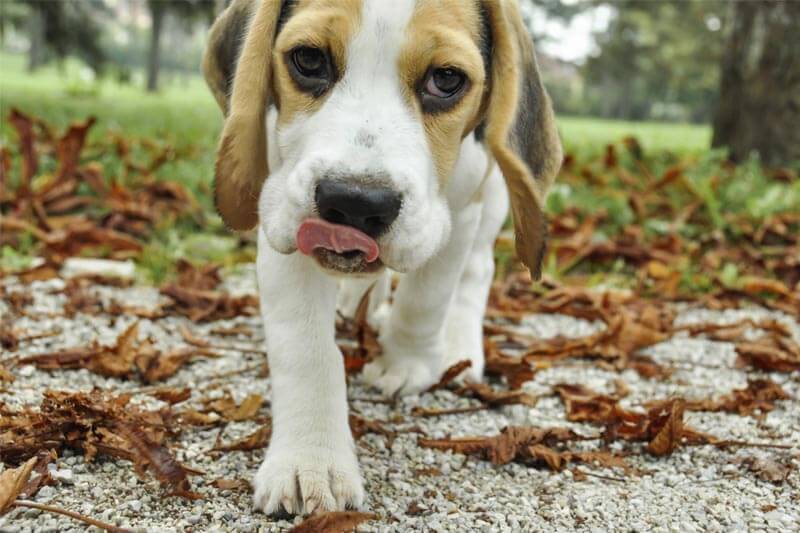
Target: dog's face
373, 95
373, 101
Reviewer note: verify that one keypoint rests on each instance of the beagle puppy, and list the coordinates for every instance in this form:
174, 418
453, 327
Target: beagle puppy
364, 137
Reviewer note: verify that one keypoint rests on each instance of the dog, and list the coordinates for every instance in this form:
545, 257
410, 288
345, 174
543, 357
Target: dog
364, 138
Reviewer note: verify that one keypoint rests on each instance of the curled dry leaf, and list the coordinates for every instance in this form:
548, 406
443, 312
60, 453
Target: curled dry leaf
12, 481
771, 353
339, 522
94, 423
172, 395
661, 426
227, 408
127, 358
155, 457
515, 369
360, 426
494, 397
42, 474
451, 374
512, 443
760, 394
769, 469
255, 441
232, 484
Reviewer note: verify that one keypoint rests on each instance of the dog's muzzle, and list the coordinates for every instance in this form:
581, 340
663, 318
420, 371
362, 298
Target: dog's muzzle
353, 216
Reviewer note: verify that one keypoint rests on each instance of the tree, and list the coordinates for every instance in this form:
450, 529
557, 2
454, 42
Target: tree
187, 11
759, 98
657, 59
56, 29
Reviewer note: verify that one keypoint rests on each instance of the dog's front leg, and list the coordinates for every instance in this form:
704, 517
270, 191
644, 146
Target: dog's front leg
311, 462
413, 337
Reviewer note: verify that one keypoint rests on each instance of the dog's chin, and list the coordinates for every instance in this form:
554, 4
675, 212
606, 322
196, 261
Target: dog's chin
353, 263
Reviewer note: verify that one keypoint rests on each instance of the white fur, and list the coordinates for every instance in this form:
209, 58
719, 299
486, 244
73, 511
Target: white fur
442, 241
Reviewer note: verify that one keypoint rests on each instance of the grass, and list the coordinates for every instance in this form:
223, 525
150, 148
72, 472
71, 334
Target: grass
184, 111
184, 116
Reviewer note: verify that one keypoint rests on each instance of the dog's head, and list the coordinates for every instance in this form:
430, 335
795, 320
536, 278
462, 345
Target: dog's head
372, 100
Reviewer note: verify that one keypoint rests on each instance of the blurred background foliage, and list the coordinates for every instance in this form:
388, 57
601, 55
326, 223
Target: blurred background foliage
708, 90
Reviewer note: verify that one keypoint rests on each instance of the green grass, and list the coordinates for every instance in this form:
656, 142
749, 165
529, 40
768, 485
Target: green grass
184, 112
184, 116
580, 133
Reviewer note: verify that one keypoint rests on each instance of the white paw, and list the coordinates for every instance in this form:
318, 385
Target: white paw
456, 353
400, 376
305, 480
465, 342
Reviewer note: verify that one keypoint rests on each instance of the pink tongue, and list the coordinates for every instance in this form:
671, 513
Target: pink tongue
316, 233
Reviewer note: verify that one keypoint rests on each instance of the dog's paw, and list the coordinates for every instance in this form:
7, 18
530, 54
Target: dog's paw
302, 481
464, 341
399, 377
457, 351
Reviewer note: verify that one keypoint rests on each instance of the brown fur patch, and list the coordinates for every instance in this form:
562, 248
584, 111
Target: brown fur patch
444, 33
325, 24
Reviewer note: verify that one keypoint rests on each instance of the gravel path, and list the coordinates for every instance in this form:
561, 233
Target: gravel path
696, 489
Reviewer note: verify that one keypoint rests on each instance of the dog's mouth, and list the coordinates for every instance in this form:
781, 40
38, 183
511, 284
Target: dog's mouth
339, 247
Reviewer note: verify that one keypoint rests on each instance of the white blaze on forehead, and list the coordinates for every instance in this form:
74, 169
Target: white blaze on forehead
375, 48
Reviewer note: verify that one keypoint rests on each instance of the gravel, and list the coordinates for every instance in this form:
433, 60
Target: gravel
699, 488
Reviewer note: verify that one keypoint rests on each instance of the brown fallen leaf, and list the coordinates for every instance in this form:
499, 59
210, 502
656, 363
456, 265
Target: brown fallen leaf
360, 426
585, 405
227, 408
512, 443
157, 458
772, 354
12, 481
255, 441
94, 423
232, 484
338, 522
6, 375
232, 331
770, 469
515, 369
760, 394
494, 397
451, 374
172, 395
668, 429
43, 477
128, 358
357, 330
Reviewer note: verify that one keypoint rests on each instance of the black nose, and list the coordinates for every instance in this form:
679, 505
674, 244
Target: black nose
372, 209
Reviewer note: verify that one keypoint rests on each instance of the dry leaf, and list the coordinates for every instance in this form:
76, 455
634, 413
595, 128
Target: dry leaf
12, 481
339, 522
771, 469
232, 484
255, 441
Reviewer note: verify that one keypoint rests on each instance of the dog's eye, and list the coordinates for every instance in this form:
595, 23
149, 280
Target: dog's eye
310, 62
442, 88
444, 82
311, 69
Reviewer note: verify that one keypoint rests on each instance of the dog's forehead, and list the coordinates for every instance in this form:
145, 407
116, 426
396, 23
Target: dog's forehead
392, 18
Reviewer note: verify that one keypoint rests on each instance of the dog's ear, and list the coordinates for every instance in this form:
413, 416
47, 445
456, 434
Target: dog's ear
221, 55
242, 154
520, 128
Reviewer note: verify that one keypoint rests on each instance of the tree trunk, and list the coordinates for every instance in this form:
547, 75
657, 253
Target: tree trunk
36, 35
157, 12
759, 100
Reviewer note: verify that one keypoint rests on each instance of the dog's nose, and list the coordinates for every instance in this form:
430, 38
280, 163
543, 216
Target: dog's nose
369, 208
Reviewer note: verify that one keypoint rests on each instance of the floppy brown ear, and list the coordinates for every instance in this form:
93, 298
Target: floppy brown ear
520, 129
221, 55
242, 155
